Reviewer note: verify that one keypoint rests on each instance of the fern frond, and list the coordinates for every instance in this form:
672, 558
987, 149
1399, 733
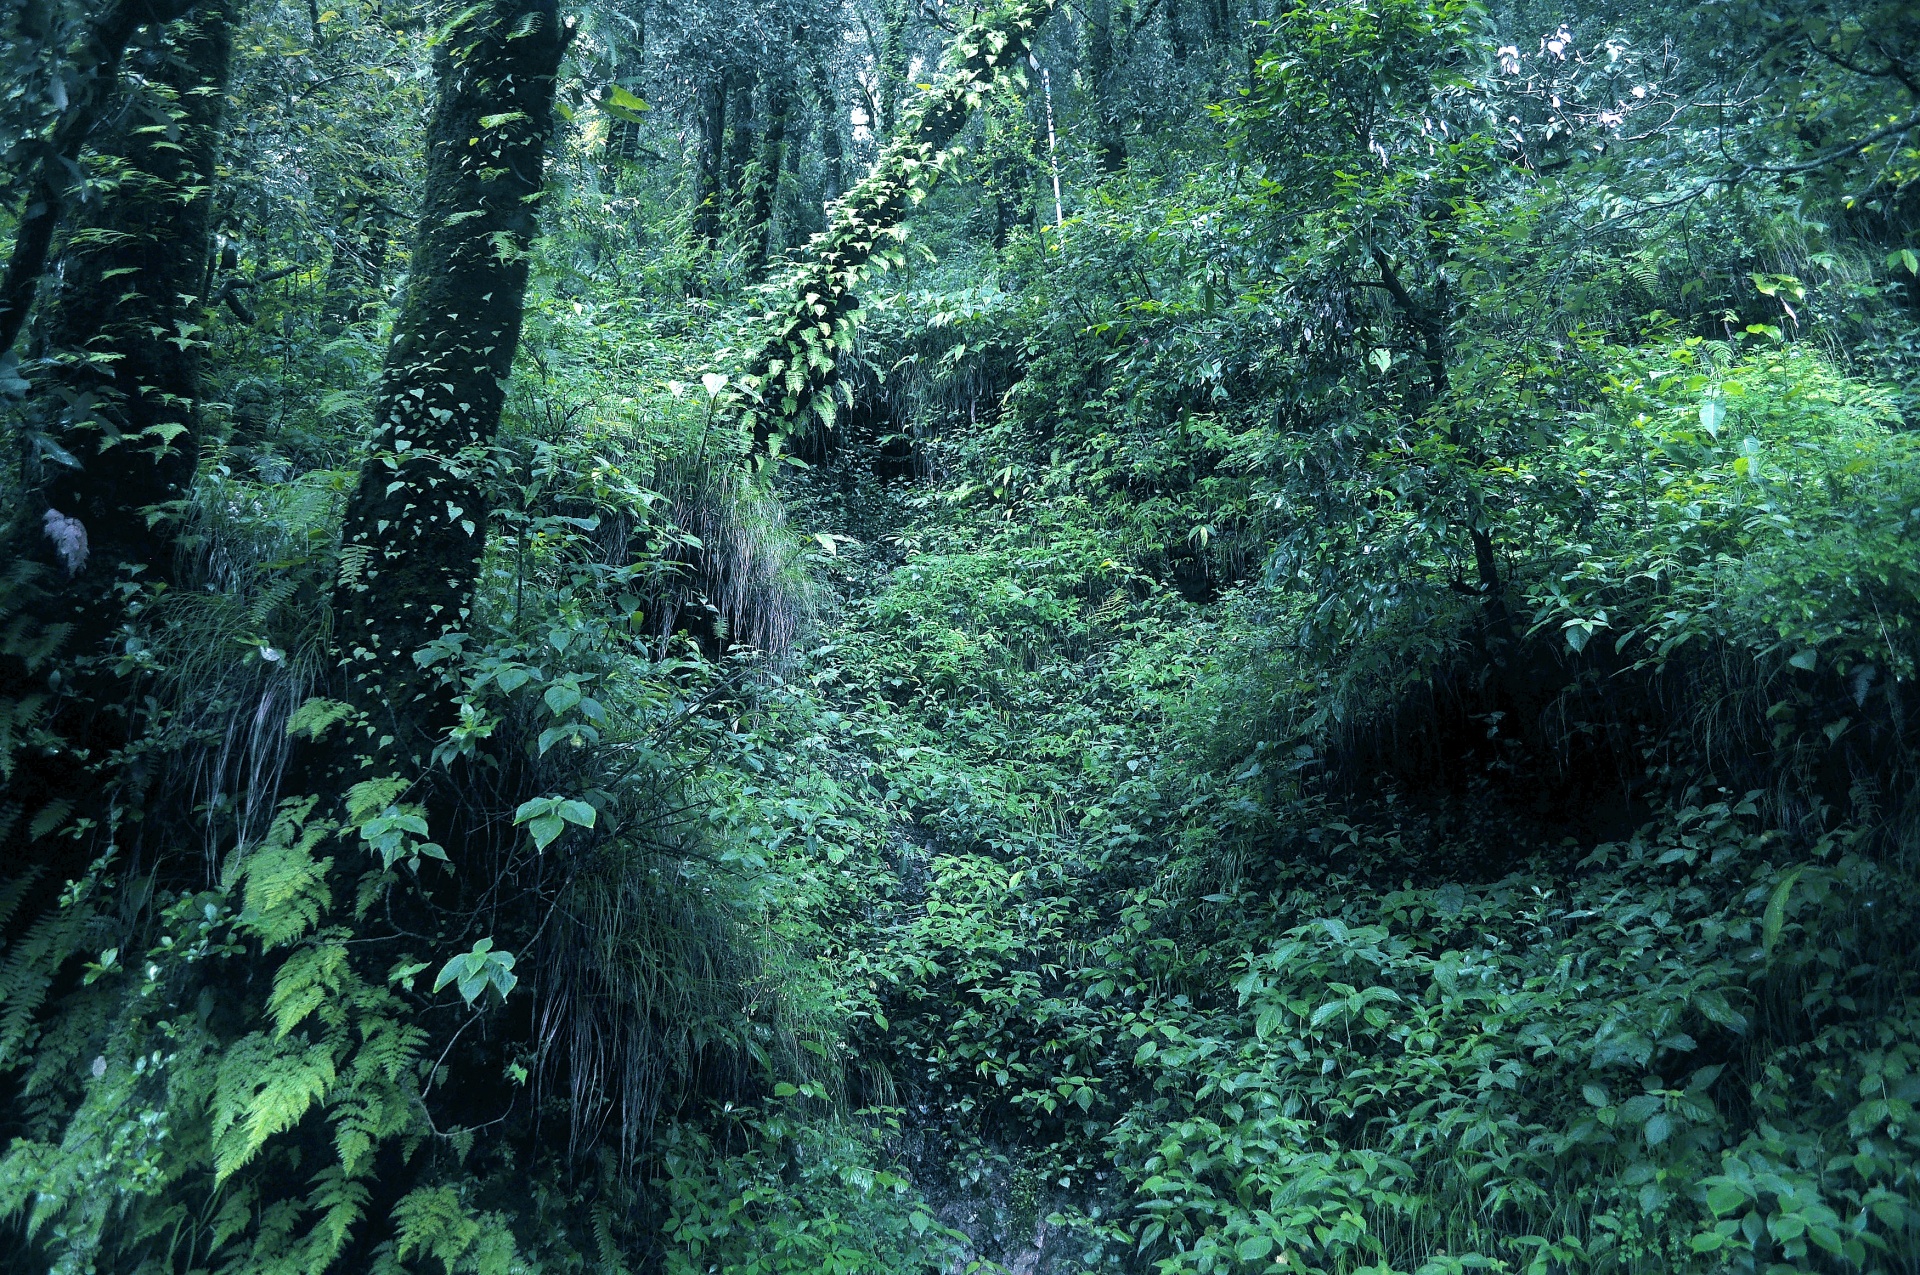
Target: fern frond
305, 982
265, 1086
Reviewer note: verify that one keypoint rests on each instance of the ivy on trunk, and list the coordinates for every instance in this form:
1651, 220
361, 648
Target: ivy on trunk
416, 521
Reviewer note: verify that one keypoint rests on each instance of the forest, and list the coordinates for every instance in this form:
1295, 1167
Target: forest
960, 637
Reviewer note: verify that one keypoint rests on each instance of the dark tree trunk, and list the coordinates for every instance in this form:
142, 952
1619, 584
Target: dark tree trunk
832, 151
707, 172
115, 412
739, 137
1109, 146
766, 184
416, 522
96, 74
891, 66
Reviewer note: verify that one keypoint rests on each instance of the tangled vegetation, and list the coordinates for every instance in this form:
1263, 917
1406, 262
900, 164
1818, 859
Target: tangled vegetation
1189, 637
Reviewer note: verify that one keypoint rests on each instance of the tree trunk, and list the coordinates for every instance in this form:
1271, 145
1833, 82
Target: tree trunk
832, 152
890, 68
707, 171
416, 522
115, 416
1109, 145
787, 388
766, 184
739, 138
96, 75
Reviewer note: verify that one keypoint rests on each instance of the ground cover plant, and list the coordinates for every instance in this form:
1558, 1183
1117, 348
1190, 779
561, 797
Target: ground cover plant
1188, 637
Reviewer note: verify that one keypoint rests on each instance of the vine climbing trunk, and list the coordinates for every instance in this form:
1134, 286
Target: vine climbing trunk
113, 415
832, 151
54, 155
788, 383
416, 521
739, 152
766, 181
709, 165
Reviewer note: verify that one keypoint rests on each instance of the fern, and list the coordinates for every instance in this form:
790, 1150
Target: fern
433, 1221
29, 971
285, 887
306, 982
265, 1087
14, 889
341, 1200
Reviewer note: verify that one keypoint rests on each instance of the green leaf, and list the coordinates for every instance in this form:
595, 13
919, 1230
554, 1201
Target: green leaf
1253, 1248
315, 716
622, 104
1724, 1198
1775, 917
475, 971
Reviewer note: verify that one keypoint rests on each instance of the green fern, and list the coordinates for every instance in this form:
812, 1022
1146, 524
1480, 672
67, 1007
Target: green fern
309, 979
285, 887
265, 1086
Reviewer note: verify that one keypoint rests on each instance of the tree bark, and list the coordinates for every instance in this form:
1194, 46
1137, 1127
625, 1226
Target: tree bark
891, 65
766, 183
416, 522
832, 151
115, 412
97, 71
739, 137
707, 169
1109, 145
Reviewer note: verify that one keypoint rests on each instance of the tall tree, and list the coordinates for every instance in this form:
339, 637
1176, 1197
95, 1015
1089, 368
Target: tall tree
113, 418
758, 220
80, 91
416, 522
740, 136
832, 149
709, 163
892, 61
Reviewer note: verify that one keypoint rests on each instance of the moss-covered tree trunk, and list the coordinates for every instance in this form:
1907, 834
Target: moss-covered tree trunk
707, 194
51, 158
113, 415
789, 379
416, 522
832, 150
766, 182
739, 152
891, 66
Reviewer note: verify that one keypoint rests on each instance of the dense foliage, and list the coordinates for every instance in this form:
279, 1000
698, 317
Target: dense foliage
1177, 636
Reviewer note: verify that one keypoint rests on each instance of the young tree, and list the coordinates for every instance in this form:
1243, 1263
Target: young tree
416, 522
